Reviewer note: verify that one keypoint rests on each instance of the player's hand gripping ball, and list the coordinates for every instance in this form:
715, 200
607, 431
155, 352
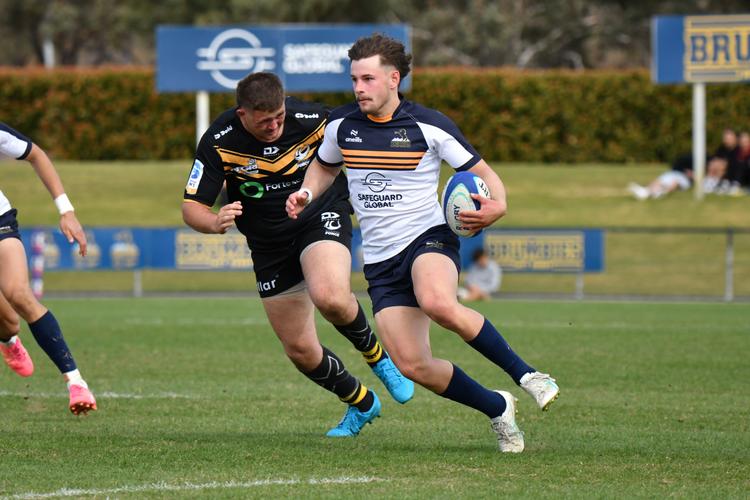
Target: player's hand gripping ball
457, 197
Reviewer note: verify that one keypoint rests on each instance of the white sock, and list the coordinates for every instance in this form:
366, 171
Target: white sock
10, 341
74, 378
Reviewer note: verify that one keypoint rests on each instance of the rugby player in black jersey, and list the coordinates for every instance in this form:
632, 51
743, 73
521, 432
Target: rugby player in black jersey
261, 149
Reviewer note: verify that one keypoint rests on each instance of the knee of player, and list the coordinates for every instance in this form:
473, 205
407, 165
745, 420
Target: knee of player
334, 305
442, 311
417, 370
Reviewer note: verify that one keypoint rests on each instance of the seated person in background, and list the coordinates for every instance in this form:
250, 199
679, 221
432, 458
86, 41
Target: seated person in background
482, 279
681, 175
738, 172
716, 174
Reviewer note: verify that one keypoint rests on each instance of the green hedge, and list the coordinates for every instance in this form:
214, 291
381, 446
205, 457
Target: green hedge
550, 116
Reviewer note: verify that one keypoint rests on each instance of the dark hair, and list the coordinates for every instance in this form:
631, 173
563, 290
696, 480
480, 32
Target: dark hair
260, 92
477, 254
390, 50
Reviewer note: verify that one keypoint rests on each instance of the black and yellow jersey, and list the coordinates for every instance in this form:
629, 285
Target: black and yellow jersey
262, 174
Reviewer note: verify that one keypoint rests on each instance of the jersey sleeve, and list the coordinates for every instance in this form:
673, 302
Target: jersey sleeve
206, 176
329, 153
444, 136
13, 143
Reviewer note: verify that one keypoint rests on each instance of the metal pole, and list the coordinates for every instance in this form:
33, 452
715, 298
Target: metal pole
202, 112
699, 138
579, 285
729, 268
137, 283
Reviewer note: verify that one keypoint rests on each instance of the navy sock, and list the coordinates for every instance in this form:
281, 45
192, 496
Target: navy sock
467, 391
47, 333
493, 346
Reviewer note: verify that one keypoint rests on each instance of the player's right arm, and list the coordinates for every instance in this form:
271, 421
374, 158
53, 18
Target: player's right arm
320, 174
204, 220
318, 179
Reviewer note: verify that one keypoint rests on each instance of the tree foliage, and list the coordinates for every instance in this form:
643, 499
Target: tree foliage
524, 33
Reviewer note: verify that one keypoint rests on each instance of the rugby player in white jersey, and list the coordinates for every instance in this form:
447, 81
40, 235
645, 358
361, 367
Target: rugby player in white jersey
392, 149
16, 298
260, 149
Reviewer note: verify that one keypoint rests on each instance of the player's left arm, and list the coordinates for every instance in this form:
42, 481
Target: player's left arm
46, 171
490, 209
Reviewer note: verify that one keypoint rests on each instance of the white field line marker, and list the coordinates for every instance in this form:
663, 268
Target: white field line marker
163, 486
102, 395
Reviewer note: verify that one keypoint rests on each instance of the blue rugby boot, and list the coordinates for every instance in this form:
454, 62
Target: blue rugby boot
400, 387
354, 420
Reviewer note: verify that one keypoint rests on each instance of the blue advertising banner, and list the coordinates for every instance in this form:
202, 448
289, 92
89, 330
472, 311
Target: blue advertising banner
305, 57
700, 49
126, 248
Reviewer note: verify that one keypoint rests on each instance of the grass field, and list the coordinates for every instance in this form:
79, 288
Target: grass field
197, 401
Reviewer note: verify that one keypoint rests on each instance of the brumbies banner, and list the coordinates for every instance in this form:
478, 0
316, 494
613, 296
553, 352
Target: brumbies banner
701, 49
308, 57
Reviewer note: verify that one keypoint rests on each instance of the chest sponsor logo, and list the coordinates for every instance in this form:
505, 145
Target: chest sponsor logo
353, 136
379, 200
196, 174
305, 115
376, 182
401, 140
222, 133
250, 168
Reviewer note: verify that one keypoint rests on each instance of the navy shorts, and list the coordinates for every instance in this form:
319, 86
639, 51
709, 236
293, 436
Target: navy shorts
9, 225
390, 282
281, 269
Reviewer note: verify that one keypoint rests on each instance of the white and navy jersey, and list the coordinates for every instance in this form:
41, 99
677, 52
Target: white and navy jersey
393, 168
13, 144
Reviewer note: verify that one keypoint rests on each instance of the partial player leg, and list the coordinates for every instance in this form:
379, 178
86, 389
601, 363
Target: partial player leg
327, 268
13, 351
405, 331
14, 284
435, 280
292, 317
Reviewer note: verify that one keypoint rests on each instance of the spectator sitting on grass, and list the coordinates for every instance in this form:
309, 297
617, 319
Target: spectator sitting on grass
482, 279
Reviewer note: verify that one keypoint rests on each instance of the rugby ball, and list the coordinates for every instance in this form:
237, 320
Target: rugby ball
457, 197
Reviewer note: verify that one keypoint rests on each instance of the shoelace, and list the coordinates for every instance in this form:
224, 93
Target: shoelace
345, 418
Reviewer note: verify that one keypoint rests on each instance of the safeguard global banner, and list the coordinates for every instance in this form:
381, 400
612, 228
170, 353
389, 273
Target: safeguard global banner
701, 49
310, 57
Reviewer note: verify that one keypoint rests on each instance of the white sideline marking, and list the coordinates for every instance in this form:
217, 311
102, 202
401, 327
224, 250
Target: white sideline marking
102, 395
163, 486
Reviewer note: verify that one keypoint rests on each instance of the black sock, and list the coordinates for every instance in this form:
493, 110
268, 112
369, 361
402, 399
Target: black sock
363, 338
47, 333
332, 376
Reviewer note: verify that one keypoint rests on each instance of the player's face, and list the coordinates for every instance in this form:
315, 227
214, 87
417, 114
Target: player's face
266, 126
375, 86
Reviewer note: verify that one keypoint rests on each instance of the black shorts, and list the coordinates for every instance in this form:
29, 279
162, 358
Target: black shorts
390, 282
9, 225
279, 270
